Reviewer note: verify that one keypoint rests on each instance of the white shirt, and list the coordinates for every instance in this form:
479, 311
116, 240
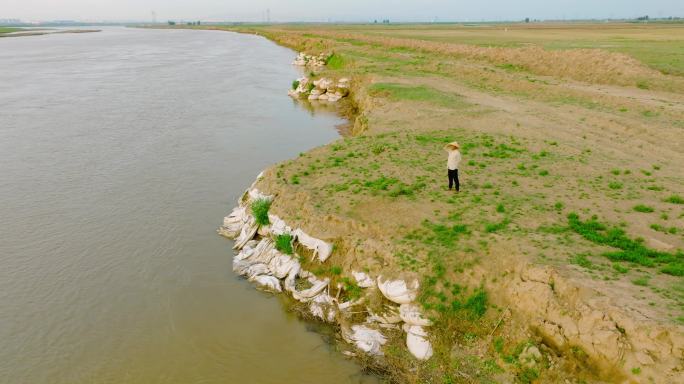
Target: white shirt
454, 159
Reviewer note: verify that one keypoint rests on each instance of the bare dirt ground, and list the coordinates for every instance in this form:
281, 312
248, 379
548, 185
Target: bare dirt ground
571, 213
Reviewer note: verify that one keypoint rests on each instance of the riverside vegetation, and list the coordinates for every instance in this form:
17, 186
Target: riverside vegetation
561, 258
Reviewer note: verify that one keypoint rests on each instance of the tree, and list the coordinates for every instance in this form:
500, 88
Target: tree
172, 22
527, 19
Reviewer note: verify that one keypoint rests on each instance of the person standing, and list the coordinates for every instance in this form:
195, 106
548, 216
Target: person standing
453, 160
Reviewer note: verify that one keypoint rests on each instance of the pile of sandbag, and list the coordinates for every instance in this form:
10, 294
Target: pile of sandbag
262, 263
323, 89
315, 61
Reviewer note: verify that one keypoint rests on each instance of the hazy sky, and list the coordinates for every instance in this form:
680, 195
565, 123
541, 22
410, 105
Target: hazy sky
337, 10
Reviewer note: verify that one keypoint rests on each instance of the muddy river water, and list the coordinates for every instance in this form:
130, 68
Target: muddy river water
120, 152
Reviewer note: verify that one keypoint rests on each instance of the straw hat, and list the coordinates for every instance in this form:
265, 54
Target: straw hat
454, 145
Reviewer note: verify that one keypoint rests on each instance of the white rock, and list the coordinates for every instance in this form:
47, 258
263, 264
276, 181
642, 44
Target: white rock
398, 291
412, 315
312, 97
417, 342
323, 97
363, 280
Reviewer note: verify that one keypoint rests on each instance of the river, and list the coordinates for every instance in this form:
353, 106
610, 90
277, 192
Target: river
120, 153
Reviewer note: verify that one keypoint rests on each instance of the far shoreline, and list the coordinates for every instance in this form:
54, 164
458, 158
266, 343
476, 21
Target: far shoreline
39, 32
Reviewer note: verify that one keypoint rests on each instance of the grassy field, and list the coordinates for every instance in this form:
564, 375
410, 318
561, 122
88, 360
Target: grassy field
658, 46
8, 30
573, 141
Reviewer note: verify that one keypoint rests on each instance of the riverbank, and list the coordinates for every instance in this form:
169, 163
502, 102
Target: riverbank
23, 32
560, 258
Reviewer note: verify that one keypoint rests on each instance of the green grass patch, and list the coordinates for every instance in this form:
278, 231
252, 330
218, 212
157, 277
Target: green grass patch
511, 67
675, 199
283, 243
260, 209
630, 250
643, 208
335, 62
8, 30
444, 235
399, 92
496, 227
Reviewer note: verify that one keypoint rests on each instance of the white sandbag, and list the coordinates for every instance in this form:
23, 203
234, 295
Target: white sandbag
412, 315
255, 270
263, 252
254, 195
281, 265
233, 223
349, 304
238, 215
399, 291
390, 315
417, 342
308, 294
240, 266
278, 226
246, 234
245, 253
266, 282
322, 307
290, 281
367, 339
363, 280
320, 248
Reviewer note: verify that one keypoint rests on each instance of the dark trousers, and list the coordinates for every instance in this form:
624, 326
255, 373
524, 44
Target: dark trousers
453, 179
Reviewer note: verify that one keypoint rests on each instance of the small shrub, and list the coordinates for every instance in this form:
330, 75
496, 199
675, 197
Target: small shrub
675, 199
336, 270
283, 243
495, 227
615, 185
500, 208
643, 208
378, 148
675, 269
260, 209
295, 84
642, 281
543, 172
582, 261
